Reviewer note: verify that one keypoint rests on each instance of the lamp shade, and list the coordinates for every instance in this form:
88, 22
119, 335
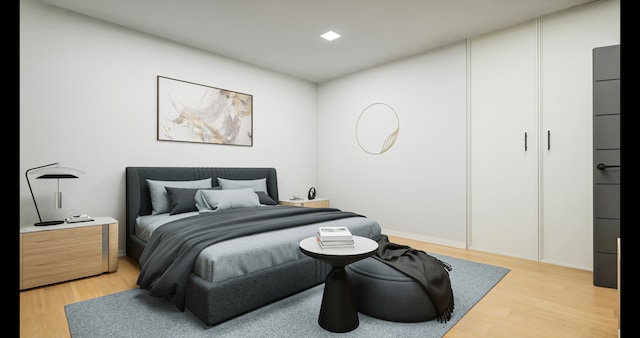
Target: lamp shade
56, 172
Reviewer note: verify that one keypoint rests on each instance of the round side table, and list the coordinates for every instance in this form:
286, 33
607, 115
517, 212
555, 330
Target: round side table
338, 312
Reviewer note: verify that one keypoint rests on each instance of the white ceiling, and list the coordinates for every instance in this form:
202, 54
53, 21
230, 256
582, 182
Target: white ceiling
284, 35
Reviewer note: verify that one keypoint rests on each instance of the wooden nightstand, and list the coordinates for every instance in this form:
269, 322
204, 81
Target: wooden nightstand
58, 253
314, 203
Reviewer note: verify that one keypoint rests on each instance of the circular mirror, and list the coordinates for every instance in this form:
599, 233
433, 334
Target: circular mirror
377, 128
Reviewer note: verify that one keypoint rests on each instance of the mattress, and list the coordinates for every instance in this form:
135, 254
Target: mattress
239, 256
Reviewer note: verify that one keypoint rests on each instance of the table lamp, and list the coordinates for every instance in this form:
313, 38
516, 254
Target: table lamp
50, 172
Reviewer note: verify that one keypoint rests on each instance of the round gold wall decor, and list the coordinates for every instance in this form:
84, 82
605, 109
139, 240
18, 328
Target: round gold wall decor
377, 128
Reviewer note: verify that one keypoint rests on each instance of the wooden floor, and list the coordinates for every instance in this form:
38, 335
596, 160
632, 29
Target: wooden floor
533, 300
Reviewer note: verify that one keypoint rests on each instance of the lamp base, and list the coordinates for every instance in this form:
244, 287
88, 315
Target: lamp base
48, 223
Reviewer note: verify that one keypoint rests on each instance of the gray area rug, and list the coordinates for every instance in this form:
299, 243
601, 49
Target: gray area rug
134, 313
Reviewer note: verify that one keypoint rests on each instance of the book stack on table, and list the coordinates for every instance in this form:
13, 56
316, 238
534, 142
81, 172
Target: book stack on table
333, 237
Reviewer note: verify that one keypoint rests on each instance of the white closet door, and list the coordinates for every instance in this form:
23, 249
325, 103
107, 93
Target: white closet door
504, 175
568, 40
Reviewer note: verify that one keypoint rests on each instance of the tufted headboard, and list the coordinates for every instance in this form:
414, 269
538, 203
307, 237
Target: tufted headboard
138, 198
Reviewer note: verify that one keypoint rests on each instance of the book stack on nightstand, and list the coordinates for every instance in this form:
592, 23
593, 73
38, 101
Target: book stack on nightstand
79, 218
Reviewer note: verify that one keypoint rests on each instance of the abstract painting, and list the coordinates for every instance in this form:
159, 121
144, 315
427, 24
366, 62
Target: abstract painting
191, 112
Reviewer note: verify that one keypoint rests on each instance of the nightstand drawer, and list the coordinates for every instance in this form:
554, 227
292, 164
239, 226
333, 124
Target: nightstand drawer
60, 255
56, 254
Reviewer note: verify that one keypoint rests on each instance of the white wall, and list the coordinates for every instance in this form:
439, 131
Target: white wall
418, 187
88, 101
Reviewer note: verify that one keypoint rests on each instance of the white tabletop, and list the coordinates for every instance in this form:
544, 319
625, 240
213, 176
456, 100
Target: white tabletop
96, 221
361, 245
304, 200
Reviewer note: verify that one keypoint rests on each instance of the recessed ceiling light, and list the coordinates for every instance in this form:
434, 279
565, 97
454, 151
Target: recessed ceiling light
330, 35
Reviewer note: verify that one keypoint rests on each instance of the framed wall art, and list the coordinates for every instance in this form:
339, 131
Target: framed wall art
191, 112
377, 128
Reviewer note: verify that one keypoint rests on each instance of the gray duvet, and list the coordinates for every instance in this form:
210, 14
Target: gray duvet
239, 250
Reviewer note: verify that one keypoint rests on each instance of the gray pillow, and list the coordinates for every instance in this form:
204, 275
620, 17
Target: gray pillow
159, 198
183, 199
265, 199
214, 200
257, 185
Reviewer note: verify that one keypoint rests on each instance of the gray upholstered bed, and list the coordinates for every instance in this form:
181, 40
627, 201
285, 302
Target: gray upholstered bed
238, 275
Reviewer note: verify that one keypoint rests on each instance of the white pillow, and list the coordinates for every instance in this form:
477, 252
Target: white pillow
160, 199
257, 184
214, 200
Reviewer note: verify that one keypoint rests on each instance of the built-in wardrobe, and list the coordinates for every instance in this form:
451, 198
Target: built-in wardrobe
530, 135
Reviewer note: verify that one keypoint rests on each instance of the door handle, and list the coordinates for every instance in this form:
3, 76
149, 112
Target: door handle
548, 139
525, 141
602, 166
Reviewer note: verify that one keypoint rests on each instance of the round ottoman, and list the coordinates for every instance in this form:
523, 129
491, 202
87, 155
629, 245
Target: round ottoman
383, 292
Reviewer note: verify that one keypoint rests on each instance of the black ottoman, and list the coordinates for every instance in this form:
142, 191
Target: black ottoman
383, 292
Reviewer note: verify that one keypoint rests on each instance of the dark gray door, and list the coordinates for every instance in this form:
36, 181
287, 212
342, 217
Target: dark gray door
606, 164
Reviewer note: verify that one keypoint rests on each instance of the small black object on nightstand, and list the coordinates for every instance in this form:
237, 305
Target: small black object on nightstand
312, 193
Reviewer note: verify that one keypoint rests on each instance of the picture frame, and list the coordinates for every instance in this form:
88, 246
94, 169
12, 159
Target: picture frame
196, 113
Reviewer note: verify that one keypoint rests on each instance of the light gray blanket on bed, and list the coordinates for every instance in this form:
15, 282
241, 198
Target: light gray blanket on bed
168, 257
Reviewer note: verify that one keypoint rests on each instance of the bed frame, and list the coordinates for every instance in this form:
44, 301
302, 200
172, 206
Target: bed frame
215, 303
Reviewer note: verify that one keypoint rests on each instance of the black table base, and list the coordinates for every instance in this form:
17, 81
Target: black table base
338, 312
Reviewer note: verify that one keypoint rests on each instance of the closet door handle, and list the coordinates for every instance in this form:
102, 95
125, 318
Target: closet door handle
548, 139
602, 166
525, 141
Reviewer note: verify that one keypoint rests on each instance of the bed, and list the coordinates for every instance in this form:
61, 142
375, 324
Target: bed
235, 273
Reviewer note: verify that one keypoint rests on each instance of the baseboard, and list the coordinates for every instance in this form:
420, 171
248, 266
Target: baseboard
428, 239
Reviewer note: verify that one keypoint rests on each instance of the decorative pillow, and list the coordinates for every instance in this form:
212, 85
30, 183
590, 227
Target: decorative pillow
183, 199
214, 200
159, 198
265, 199
257, 185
